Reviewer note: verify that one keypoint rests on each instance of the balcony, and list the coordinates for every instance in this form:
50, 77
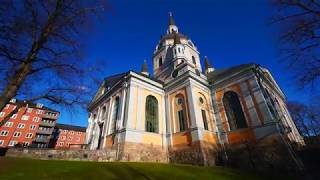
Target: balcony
42, 140
50, 115
40, 131
48, 123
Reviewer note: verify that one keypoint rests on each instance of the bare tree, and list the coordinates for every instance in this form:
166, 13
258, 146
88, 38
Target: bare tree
299, 38
298, 113
306, 117
40, 54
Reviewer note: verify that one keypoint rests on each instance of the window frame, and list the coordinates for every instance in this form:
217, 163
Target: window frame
151, 114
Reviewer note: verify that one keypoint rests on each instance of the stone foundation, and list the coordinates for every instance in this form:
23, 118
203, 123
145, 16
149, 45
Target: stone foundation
270, 154
197, 153
143, 153
79, 155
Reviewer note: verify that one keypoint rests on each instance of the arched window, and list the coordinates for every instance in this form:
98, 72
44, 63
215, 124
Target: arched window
234, 111
182, 121
204, 119
151, 114
115, 113
160, 61
203, 104
194, 60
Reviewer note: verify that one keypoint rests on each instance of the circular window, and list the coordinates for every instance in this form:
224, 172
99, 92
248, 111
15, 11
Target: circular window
179, 101
174, 73
201, 100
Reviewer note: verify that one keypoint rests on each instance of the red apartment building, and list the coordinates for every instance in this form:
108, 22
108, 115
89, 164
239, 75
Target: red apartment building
31, 126
68, 137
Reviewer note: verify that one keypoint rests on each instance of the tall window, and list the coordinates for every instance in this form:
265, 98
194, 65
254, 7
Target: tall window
160, 61
115, 113
180, 110
234, 111
151, 114
194, 60
103, 113
182, 123
204, 118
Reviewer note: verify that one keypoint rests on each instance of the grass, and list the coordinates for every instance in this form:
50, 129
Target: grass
20, 168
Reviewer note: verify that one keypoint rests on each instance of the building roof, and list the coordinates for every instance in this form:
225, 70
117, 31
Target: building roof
219, 73
31, 105
70, 127
112, 80
173, 36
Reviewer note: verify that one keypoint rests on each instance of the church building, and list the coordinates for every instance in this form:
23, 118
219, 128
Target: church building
183, 112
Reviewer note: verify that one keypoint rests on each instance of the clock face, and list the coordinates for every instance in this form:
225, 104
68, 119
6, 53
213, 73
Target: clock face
174, 73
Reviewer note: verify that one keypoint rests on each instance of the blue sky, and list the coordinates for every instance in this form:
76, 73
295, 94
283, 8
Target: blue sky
228, 32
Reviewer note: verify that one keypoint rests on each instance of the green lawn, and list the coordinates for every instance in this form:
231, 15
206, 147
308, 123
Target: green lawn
18, 168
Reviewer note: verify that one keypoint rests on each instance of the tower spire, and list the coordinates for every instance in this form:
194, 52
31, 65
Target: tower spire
172, 25
144, 68
207, 65
171, 20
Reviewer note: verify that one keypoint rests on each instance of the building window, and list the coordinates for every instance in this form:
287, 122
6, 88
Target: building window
35, 119
25, 118
69, 138
12, 143
32, 127
14, 116
63, 138
8, 124
26, 144
79, 133
16, 134
182, 123
21, 126
194, 60
204, 118
160, 61
115, 113
233, 109
1, 142
61, 143
29, 135
4, 133
201, 100
29, 110
151, 114
2, 114
179, 101
39, 111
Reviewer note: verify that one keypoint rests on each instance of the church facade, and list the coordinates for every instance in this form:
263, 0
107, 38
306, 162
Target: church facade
184, 113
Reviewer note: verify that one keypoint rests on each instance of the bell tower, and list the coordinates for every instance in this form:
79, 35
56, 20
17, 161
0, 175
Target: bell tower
174, 51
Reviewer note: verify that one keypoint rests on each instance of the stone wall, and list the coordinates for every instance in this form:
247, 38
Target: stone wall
143, 153
197, 153
80, 155
268, 155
